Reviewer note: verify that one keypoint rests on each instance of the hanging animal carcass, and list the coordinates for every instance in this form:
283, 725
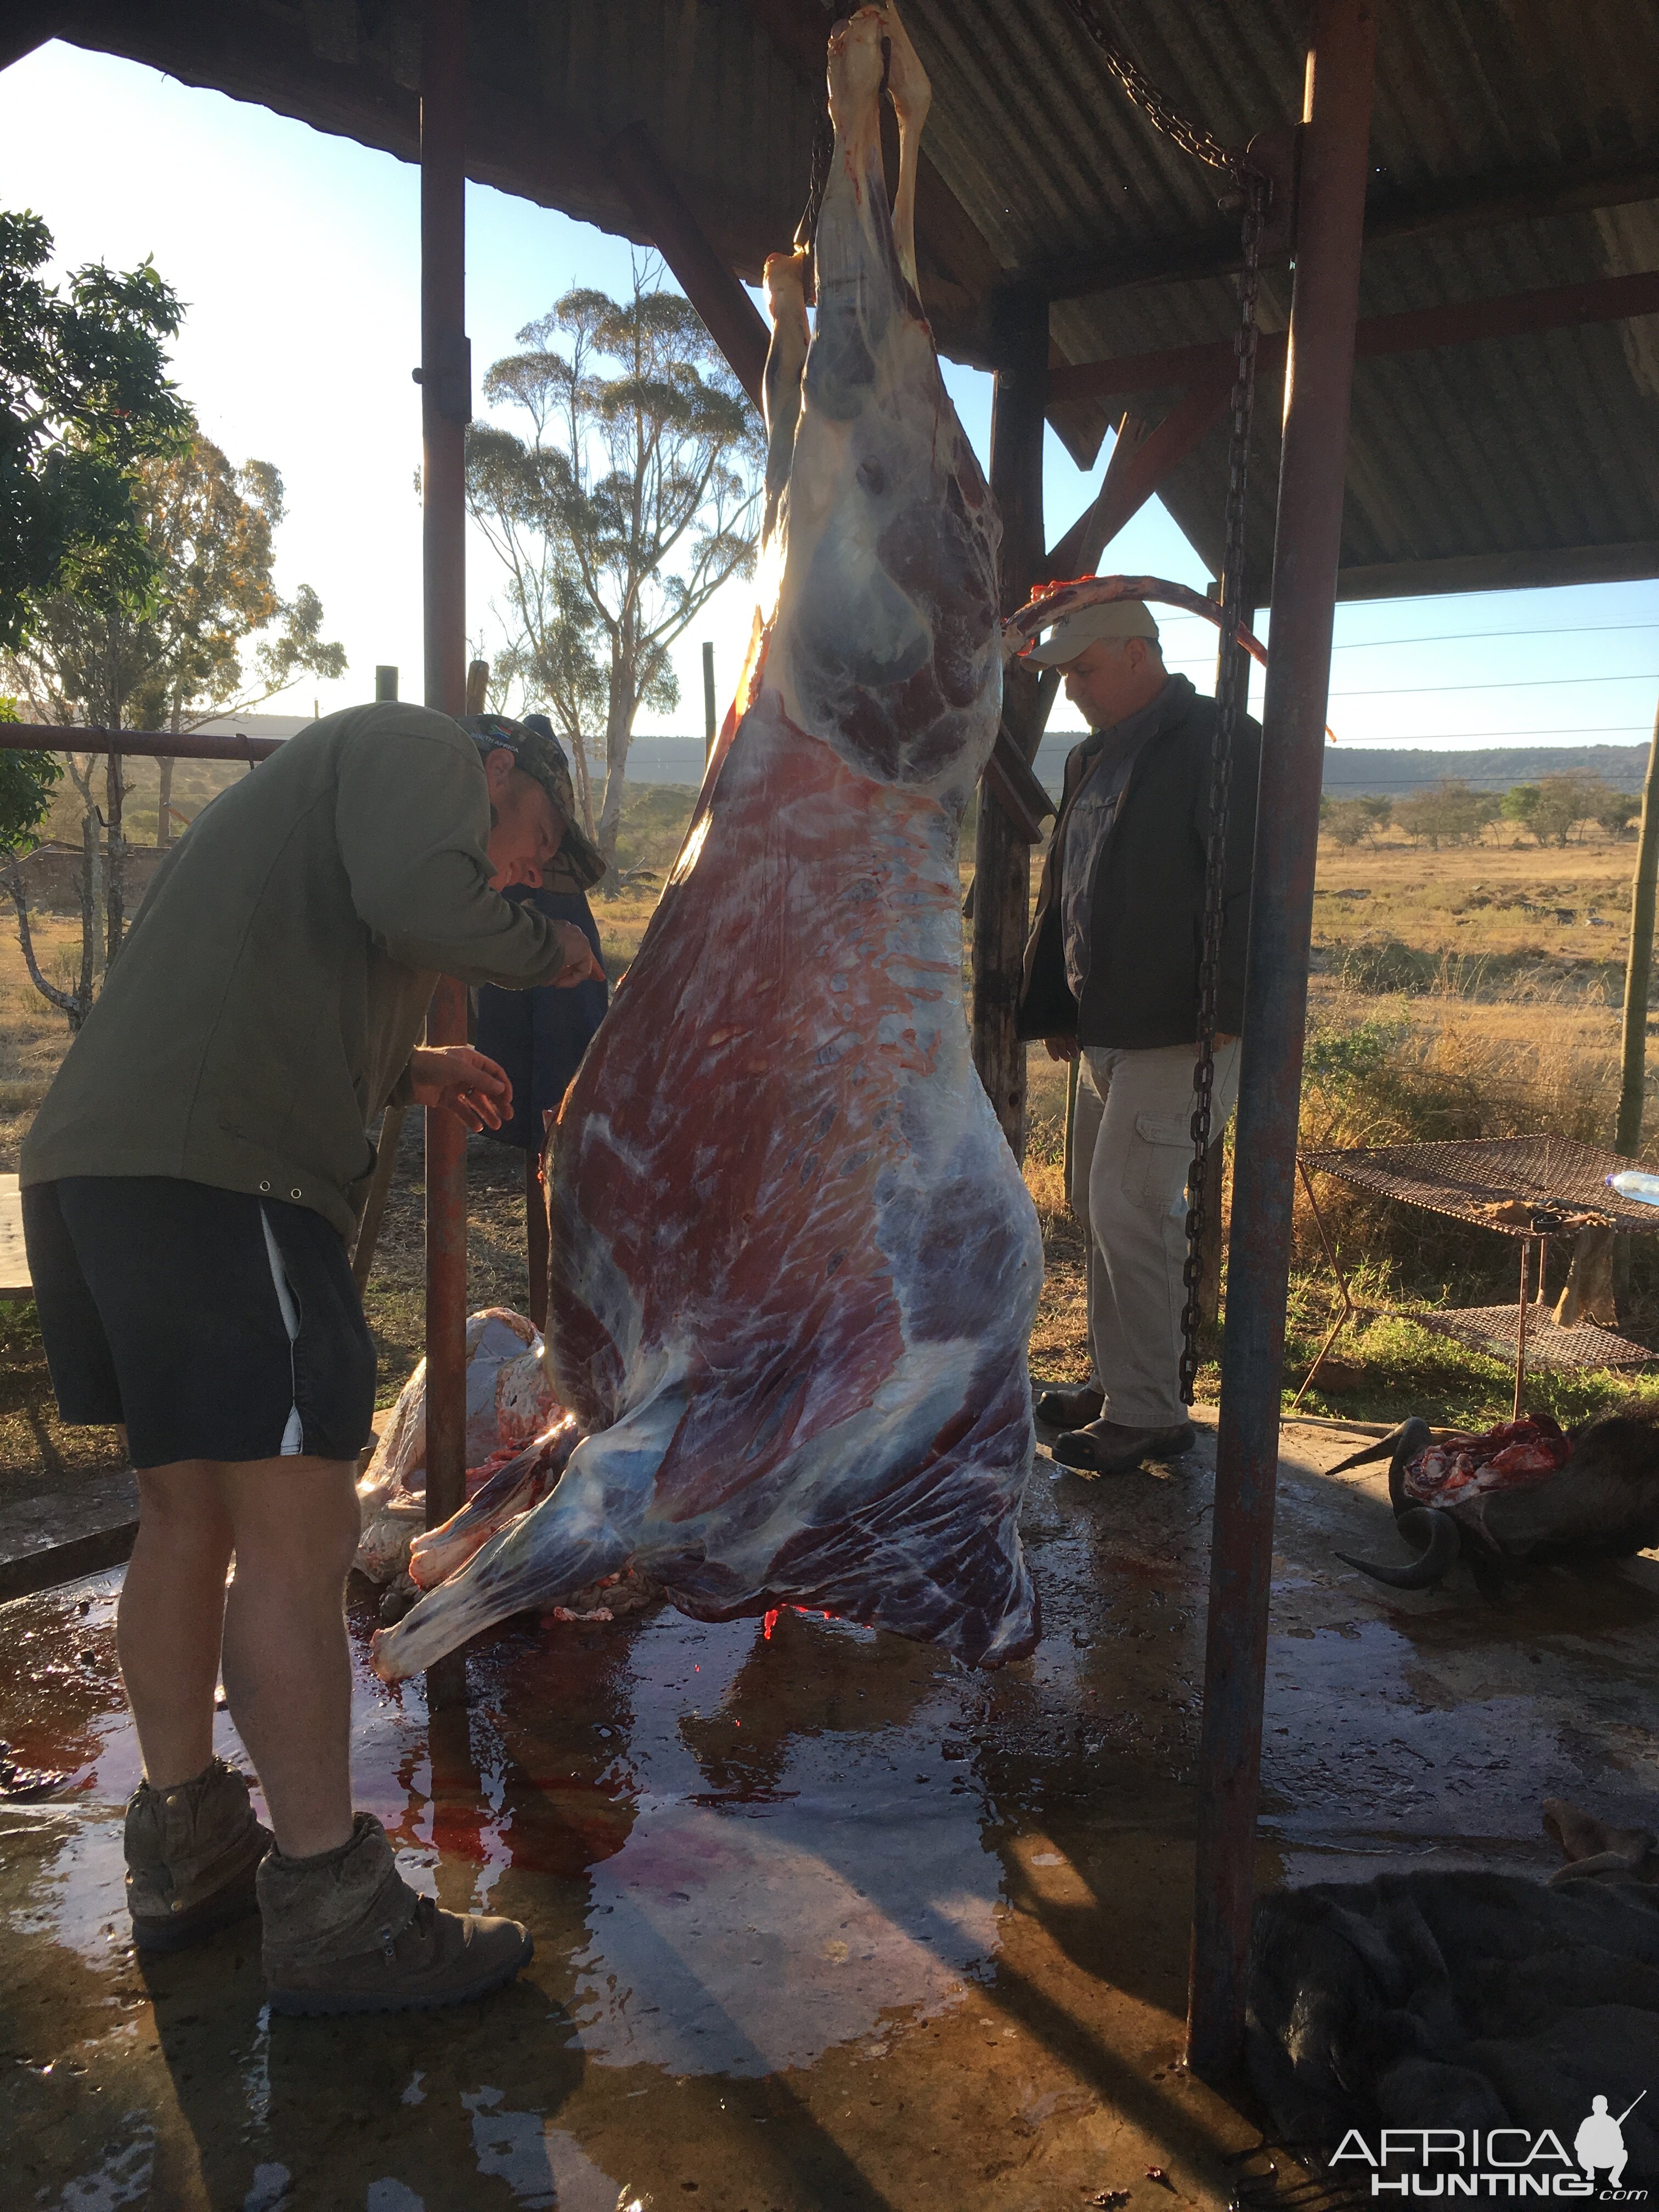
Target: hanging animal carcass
794, 1264
1524, 1490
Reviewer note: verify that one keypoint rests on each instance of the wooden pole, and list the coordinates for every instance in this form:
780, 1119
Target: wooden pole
709, 725
1638, 965
537, 1239
379, 1184
446, 406
385, 682
115, 876
1002, 859
1330, 218
477, 686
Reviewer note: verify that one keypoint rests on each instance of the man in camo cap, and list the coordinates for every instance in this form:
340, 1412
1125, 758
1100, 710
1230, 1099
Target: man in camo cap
540, 754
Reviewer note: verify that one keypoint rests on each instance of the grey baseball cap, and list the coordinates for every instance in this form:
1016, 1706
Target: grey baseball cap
539, 754
1074, 633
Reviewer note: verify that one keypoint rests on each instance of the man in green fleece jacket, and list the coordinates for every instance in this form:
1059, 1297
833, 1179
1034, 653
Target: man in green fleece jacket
190, 1183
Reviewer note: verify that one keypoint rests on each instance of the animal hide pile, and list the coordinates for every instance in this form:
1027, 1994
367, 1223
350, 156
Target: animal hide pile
1465, 2000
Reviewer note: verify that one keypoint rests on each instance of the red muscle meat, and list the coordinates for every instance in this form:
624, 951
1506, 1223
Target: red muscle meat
794, 1264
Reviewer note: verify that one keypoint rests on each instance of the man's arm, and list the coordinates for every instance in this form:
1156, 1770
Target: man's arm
412, 820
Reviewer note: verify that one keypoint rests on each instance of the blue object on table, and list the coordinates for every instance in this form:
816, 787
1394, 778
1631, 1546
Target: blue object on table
539, 1035
1631, 1183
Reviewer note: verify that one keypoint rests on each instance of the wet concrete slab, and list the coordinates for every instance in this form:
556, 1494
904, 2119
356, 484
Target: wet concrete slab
822, 1920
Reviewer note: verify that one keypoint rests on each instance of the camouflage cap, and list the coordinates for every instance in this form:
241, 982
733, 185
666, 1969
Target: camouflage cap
539, 754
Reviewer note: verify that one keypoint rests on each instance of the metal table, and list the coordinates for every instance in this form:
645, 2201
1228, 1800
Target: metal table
1528, 1188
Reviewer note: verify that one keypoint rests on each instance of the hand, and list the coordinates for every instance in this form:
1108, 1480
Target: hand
1067, 1048
579, 965
462, 1082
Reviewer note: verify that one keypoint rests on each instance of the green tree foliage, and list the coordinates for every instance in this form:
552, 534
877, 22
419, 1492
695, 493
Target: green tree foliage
1562, 802
633, 499
175, 654
1520, 803
1351, 821
83, 397
1447, 812
27, 782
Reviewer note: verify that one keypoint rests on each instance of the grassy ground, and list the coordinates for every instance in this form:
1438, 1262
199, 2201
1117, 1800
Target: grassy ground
1468, 991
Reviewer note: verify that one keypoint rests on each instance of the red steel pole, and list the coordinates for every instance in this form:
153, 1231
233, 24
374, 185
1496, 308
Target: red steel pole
445, 405
1330, 217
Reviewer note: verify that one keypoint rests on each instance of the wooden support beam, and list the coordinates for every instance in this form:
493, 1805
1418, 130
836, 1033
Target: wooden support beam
1002, 864
1565, 306
729, 315
1472, 204
445, 405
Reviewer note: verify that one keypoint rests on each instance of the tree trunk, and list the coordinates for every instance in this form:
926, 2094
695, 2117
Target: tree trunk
92, 875
618, 734
164, 803
584, 782
115, 888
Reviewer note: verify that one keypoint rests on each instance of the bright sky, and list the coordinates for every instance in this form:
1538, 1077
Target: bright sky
298, 255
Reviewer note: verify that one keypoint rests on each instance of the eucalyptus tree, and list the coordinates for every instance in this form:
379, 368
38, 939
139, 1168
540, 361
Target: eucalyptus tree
631, 498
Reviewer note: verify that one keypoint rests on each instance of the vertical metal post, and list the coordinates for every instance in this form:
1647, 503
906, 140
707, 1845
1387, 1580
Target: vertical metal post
1002, 861
445, 406
385, 682
710, 728
1330, 212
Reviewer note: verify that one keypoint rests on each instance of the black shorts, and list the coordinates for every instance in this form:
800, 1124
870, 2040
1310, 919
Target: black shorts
215, 1325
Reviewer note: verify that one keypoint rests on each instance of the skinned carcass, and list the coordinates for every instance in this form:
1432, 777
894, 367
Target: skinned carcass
1525, 1490
795, 1266
510, 1406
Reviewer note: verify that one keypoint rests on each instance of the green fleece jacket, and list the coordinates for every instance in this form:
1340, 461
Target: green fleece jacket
267, 1001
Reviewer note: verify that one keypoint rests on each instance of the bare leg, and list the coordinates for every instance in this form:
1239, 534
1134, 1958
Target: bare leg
170, 1617
287, 1669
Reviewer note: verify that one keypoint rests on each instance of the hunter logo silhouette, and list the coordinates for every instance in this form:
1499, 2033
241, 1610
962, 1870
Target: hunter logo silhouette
1599, 2141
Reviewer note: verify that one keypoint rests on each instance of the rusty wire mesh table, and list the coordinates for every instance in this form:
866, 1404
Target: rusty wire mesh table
1528, 1188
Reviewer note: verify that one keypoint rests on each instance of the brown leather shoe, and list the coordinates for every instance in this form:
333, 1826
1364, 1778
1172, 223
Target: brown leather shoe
1109, 1448
192, 1853
1070, 1409
344, 1932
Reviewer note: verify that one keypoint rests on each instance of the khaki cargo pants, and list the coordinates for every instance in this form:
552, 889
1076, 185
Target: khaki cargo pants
1131, 1148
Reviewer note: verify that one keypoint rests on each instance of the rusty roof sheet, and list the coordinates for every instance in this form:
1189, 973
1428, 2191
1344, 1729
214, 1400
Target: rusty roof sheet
1521, 459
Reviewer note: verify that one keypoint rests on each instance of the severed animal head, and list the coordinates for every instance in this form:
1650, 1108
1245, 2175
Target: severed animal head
1522, 1491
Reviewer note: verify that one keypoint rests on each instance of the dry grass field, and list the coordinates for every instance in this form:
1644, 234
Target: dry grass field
1470, 991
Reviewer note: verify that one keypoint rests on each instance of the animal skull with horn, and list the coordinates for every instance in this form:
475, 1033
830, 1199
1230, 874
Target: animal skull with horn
1525, 1490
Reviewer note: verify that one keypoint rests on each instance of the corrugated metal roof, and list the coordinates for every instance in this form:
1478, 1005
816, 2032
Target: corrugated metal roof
1541, 451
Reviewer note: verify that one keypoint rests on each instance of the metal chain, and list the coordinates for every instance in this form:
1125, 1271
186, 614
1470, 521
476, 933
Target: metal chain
1145, 94
1232, 688
1232, 679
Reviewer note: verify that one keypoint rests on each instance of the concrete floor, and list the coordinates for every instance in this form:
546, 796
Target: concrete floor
821, 1922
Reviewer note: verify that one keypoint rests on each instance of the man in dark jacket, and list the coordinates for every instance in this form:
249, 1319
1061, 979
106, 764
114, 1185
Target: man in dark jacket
1111, 975
537, 1038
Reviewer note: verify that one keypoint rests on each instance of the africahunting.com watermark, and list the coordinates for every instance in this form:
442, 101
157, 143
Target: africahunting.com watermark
1498, 2162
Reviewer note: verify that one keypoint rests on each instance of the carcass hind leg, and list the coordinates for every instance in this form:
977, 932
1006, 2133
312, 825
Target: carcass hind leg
855, 65
786, 364
912, 96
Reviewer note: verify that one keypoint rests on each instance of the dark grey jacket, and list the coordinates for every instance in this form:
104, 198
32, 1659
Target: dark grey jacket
1146, 907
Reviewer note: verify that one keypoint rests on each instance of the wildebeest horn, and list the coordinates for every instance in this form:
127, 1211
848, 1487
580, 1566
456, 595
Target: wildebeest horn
1440, 1547
1399, 1448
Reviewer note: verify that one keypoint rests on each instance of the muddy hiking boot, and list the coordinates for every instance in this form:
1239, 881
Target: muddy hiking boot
345, 1932
193, 1852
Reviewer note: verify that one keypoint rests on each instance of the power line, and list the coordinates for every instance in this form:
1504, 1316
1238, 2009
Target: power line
1459, 636
1514, 683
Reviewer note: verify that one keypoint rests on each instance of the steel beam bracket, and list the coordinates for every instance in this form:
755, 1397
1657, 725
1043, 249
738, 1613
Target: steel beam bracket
452, 378
1278, 153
